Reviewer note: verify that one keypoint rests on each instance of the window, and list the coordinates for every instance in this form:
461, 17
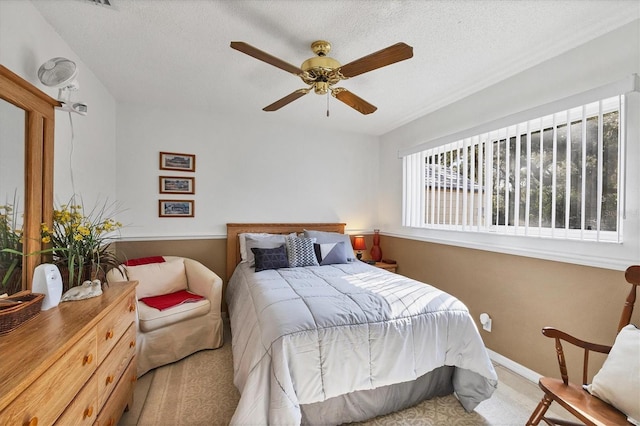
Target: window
557, 176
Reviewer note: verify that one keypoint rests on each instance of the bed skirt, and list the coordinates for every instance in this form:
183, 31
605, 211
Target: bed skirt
366, 404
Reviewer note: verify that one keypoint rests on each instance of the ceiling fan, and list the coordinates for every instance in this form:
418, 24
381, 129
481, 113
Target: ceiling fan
322, 72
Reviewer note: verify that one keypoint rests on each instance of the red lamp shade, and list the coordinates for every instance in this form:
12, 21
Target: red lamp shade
358, 243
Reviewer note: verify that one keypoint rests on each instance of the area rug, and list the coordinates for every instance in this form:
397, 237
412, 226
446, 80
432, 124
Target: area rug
198, 390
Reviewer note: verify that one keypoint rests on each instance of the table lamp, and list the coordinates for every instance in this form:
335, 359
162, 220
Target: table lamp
359, 245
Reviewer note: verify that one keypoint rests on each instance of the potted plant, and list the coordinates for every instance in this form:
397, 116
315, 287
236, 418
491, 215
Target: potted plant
81, 242
10, 251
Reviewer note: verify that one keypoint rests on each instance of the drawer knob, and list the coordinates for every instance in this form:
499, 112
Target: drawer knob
33, 422
87, 359
132, 308
109, 334
110, 379
88, 412
132, 344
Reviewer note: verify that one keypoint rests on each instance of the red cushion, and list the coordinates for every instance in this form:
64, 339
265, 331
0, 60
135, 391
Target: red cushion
144, 261
166, 301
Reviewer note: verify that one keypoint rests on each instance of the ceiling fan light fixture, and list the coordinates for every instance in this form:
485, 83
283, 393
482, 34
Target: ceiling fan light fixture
320, 71
321, 87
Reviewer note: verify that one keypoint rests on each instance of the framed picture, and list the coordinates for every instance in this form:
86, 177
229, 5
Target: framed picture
175, 208
177, 185
176, 161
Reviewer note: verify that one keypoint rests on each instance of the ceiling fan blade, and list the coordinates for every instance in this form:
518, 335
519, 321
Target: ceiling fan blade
286, 100
353, 101
390, 55
265, 57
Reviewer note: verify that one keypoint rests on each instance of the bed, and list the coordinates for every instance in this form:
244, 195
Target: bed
341, 342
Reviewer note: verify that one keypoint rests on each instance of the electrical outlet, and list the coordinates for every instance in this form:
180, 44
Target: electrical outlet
485, 320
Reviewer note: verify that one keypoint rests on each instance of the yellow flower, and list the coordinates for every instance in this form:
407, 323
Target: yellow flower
46, 239
78, 237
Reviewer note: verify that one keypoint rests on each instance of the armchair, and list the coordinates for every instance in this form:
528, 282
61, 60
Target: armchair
168, 335
588, 408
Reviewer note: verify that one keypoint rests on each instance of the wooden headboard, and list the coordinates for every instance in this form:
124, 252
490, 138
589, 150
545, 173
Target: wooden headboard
233, 229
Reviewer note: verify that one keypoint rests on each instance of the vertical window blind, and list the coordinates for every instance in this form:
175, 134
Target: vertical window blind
559, 175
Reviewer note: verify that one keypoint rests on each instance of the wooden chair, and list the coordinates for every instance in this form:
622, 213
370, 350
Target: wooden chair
589, 409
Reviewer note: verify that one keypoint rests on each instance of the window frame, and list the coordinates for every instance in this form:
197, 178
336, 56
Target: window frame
591, 253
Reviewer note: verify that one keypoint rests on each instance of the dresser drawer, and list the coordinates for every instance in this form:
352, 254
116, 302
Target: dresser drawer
47, 398
84, 408
113, 326
110, 371
120, 398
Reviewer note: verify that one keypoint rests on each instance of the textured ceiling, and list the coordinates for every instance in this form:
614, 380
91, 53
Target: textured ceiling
176, 52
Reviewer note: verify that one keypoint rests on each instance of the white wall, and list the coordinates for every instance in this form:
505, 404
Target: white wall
255, 170
26, 42
598, 62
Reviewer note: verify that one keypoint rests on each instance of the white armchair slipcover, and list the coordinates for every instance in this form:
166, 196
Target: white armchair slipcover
174, 333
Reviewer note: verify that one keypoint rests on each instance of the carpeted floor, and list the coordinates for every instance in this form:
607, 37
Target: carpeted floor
199, 390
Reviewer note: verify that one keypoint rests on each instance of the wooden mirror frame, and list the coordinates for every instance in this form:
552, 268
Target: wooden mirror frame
38, 168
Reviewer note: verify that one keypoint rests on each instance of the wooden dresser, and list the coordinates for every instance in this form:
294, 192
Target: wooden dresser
73, 364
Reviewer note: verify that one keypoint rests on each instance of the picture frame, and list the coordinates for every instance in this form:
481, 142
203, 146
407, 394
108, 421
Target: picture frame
176, 208
177, 185
177, 161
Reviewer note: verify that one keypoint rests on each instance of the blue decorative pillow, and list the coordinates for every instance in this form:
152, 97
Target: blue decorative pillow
300, 251
323, 237
270, 258
330, 253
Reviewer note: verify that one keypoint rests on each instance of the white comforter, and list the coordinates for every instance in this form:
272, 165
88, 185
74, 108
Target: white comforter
303, 335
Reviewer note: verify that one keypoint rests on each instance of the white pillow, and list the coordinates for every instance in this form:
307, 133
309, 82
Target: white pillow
264, 242
256, 240
618, 381
156, 279
243, 243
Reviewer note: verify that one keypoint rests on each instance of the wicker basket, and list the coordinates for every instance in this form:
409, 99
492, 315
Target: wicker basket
13, 316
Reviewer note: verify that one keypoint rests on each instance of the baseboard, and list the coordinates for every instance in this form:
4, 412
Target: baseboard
514, 366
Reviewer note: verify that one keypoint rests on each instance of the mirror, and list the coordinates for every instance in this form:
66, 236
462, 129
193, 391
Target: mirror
12, 146
33, 110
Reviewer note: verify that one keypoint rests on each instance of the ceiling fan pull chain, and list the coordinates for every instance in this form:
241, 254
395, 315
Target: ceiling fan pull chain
327, 104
